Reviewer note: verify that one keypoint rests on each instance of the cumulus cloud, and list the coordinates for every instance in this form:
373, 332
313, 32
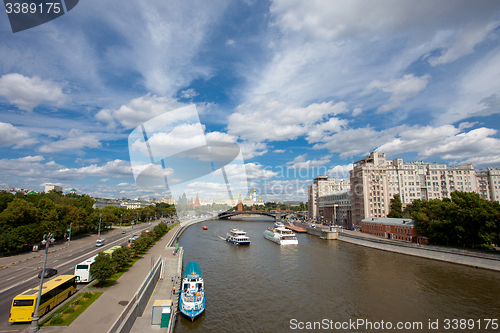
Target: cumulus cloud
476, 146
300, 162
75, 139
116, 169
417, 138
13, 136
340, 171
252, 149
138, 111
269, 118
27, 93
401, 89
259, 172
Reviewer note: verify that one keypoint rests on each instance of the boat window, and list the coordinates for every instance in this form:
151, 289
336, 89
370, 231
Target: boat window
198, 286
186, 286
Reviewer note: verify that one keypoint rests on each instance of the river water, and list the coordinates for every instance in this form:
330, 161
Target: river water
265, 287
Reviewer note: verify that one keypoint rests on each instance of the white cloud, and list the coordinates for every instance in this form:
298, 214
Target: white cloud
300, 162
14, 136
252, 149
279, 151
340, 171
467, 124
356, 112
27, 93
88, 160
476, 146
401, 89
329, 21
189, 93
115, 169
355, 141
270, 118
75, 139
478, 90
230, 42
417, 138
463, 43
139, 110
259, 172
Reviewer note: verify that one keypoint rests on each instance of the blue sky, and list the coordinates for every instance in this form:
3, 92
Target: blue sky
303, 87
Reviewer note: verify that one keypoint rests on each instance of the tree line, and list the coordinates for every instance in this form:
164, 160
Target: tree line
105, 266
464, 220
24, 219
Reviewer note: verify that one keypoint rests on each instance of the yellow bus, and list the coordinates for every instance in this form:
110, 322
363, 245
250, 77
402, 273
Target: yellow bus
53, 292
110, 251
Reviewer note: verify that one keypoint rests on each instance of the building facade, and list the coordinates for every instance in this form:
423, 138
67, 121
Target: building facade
335, 208
375, 180
391, 228
321, 186
50, 187
488, 182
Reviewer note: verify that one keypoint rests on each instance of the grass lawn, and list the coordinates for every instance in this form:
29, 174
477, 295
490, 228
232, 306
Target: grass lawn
71, 310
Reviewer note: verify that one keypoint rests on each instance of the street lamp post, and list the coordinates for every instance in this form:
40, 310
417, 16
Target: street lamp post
121, 216
99, 232
47, 239
69, 237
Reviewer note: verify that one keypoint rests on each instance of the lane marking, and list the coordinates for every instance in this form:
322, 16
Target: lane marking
83, 255
11, 278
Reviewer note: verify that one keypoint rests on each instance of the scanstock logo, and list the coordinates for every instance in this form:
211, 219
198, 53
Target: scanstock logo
26, 14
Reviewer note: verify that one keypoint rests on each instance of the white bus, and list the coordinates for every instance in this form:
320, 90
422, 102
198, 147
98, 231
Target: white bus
82, 270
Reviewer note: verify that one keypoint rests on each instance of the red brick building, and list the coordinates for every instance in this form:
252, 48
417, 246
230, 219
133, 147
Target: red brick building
390, 228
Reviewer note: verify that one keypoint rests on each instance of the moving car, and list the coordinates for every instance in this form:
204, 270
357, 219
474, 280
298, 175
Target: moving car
48, 273
99, 242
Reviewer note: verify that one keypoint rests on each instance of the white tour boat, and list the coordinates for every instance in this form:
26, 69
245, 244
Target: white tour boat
238, 237
280, 235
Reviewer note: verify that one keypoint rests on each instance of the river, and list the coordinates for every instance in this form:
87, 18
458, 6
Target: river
265, 287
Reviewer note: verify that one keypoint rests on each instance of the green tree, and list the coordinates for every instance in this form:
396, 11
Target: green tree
396, 207
18, 213
103, 267
121, 256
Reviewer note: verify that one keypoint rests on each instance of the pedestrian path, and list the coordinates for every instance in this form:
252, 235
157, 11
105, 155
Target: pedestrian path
163, 291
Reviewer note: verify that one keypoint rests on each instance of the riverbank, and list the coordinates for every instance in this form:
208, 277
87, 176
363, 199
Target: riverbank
457, 256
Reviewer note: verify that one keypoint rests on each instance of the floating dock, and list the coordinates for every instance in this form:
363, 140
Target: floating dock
296, 229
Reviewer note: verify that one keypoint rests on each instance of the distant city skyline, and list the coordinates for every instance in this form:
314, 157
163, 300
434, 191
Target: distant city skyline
303, 88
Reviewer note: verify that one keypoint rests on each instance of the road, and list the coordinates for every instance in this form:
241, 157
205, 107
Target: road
19, 277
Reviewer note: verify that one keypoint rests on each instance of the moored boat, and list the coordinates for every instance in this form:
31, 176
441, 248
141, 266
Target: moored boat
280, 235
238, 237
192, 300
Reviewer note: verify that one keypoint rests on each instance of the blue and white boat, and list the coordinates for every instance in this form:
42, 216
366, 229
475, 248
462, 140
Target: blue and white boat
192, 300
238, 237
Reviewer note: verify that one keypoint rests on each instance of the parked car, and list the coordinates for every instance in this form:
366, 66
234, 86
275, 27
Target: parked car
48, 273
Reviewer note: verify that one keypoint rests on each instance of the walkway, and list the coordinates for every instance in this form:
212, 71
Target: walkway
101, 315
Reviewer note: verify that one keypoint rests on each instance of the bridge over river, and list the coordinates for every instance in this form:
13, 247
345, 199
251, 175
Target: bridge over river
228, 214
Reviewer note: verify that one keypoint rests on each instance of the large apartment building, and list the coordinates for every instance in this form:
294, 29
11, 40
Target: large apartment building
375, 180
323, 185
488, 183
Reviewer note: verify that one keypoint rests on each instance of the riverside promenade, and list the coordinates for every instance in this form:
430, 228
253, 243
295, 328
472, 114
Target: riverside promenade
478, 259
103, 314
